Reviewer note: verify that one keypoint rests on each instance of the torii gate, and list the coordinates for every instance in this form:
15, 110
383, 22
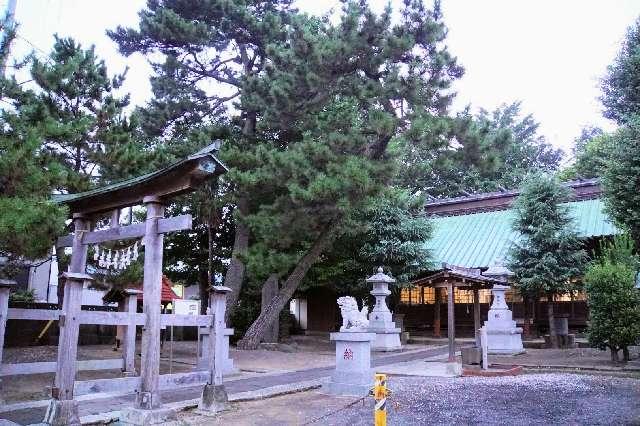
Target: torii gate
153, 190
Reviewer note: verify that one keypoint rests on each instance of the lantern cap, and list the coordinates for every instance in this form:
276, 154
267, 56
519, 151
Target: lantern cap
380, 277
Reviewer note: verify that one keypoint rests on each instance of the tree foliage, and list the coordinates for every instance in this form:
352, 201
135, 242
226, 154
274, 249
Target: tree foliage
621, 85
592, 155
74, 107
614, 302
622, 178
391, 231
487, 151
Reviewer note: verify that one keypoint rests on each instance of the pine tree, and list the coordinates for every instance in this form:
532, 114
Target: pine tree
29, 221
74, 107
210, 50
317, 106
614, 302
548, 254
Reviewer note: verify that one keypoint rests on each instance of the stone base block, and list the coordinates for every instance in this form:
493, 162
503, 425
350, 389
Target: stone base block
214, 400
386, 341
454, 368
60, 413
505, 342
140, 417
346, 389
471, 355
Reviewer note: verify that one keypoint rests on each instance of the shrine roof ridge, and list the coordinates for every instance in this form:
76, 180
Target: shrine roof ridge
582, 189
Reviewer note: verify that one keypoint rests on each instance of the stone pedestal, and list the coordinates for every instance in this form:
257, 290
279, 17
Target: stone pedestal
502, 334
142, 417
353, 375
380, 319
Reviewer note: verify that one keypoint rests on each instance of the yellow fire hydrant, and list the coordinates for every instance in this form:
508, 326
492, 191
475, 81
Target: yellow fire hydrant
380, 393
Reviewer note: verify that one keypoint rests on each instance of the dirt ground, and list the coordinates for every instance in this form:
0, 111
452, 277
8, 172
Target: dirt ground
298, 354
579, 357
532, 399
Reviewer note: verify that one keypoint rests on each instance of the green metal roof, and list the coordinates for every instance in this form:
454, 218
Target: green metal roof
477, 240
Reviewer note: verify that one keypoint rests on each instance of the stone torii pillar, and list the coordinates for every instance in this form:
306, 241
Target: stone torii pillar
214, 395
5, 288
62, 409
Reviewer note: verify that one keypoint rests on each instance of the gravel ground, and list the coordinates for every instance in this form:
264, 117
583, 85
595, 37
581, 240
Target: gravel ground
534, 399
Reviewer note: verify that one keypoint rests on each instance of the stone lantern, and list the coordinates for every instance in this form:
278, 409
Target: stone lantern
380, 318
502, 334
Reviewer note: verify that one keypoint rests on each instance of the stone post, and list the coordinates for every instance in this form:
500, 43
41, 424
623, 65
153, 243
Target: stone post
214, 395
148, 406
269, 291
502, 334
353, 375
130, 305
380, 319
62, 409
5, 288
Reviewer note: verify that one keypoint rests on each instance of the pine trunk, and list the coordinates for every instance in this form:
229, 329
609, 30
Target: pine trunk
235, 274
553, 336
203, 284
614, 355
258, 329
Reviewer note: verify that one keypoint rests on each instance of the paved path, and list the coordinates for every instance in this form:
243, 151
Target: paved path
89, 407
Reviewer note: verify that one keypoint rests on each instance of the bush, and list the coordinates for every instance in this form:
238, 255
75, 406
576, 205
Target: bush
614, 302
25, 296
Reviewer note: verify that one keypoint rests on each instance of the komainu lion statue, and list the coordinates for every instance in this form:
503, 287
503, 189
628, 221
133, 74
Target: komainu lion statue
352, 318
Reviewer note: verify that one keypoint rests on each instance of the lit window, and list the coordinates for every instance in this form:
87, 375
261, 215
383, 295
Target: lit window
405, 296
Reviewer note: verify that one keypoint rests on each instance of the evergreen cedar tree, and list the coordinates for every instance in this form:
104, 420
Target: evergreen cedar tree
548, 254
316, 108
614, 302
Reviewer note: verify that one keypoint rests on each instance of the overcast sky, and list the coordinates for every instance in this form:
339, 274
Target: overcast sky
549, 54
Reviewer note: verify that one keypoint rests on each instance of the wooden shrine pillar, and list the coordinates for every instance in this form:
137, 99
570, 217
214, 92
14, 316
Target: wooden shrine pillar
149, 396
476, 316
451, 325
5, 288
214, 395
129, 305
62, 409
436, 312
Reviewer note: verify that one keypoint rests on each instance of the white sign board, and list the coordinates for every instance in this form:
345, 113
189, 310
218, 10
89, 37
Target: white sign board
186, 307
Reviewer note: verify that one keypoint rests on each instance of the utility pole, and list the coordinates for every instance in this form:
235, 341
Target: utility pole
9, 26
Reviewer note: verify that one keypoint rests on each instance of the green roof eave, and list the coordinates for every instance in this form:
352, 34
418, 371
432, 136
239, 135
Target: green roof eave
172, 180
